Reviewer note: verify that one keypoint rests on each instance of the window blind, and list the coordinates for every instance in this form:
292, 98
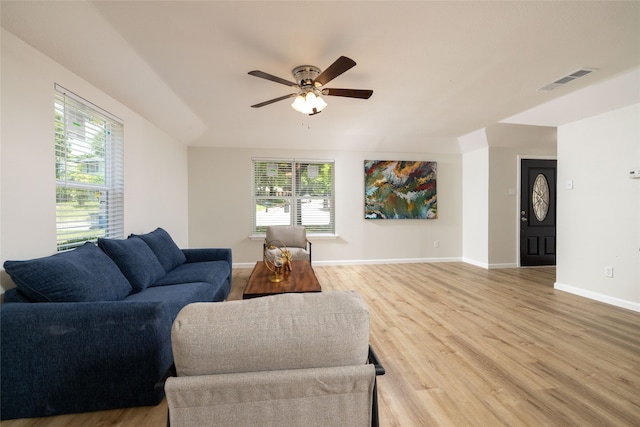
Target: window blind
89, 171
299, 192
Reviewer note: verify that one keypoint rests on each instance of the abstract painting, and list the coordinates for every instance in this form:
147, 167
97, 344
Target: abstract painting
397, 189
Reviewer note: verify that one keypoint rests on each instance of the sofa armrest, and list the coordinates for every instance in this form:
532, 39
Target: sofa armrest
75, 357
208, 254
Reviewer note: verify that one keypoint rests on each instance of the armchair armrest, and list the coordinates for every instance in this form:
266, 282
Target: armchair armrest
375, 361
171, 372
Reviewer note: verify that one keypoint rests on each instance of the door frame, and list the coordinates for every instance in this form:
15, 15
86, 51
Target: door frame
519, 159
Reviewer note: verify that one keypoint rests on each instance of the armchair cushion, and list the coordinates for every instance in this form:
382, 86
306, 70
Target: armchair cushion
289, 331
297, 254
81, 275
290, 235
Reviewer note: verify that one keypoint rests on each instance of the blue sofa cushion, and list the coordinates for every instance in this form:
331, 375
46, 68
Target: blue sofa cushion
166, 250
213, 272
135, 259
177, 296
81, 275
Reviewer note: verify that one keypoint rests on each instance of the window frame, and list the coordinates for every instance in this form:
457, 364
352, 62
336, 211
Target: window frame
89, 172
294, 198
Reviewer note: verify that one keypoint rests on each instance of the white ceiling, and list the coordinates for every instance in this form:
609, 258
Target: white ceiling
439, 70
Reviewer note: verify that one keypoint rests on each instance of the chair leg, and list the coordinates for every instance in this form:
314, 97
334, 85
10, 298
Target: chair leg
375, 422
373, 359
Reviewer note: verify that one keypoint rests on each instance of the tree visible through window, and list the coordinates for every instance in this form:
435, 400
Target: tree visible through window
287, 192
89, 176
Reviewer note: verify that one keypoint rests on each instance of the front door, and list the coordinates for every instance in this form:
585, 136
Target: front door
538, 212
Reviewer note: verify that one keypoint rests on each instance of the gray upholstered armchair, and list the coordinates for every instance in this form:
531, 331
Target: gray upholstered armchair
294, 237
285, 360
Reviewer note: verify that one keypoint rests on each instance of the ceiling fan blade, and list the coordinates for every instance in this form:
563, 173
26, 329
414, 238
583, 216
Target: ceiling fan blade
341, 65
271, 101
267, 76
349, 93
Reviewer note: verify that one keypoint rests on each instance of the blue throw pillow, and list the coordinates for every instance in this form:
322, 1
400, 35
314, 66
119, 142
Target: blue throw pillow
135, 259
161, 243
83, 274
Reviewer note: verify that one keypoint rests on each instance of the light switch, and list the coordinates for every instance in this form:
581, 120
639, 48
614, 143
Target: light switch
570, 184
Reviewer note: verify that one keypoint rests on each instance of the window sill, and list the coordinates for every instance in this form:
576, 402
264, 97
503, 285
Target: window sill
319, 236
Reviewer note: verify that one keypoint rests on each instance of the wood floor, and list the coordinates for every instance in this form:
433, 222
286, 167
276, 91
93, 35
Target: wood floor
464, 346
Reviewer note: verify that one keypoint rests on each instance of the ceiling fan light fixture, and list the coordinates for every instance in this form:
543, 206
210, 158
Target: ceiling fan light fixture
320, 103
298, 103
311, 98
308, 103
310, 83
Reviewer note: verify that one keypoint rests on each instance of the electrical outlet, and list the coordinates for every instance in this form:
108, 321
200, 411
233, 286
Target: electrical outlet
436, 244
608, 272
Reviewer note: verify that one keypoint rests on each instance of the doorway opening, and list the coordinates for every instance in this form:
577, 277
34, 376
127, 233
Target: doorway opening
537, 215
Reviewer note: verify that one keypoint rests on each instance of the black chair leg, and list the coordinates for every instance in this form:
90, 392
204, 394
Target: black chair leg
373, 359
374, 408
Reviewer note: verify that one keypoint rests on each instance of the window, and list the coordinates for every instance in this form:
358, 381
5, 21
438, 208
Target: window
89, 175
294, 192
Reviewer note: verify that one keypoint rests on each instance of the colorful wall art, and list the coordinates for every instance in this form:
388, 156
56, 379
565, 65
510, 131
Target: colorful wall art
400, 189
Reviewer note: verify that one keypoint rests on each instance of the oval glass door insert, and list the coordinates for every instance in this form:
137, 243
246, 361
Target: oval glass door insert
540, 197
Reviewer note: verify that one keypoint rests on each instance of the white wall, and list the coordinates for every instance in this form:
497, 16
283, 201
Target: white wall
599, 220
220, 209
503, 207
475, 215
155, 164
508, 144
504, 202
491, 189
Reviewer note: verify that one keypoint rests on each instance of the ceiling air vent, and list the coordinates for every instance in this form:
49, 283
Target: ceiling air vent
567, 79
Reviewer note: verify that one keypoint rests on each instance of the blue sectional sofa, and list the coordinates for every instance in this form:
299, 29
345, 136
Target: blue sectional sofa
90, 329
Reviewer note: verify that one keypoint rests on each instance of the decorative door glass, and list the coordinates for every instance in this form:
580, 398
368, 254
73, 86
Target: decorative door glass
540, 197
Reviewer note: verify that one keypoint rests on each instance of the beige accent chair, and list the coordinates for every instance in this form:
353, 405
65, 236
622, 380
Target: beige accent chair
284, 360
294, 237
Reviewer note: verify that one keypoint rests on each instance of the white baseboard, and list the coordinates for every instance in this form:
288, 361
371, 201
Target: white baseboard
386, 261
244, 264
476, 263
630, 305
503, 265
364, 261
394, 261
497, 266
489, 266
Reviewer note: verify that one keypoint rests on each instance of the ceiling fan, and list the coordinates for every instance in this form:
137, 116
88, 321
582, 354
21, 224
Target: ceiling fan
310, 86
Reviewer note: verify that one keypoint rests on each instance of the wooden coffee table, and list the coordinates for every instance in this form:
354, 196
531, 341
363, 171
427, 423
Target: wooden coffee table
300, 279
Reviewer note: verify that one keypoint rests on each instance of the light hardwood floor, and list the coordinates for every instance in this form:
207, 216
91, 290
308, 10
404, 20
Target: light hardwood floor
464, 346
